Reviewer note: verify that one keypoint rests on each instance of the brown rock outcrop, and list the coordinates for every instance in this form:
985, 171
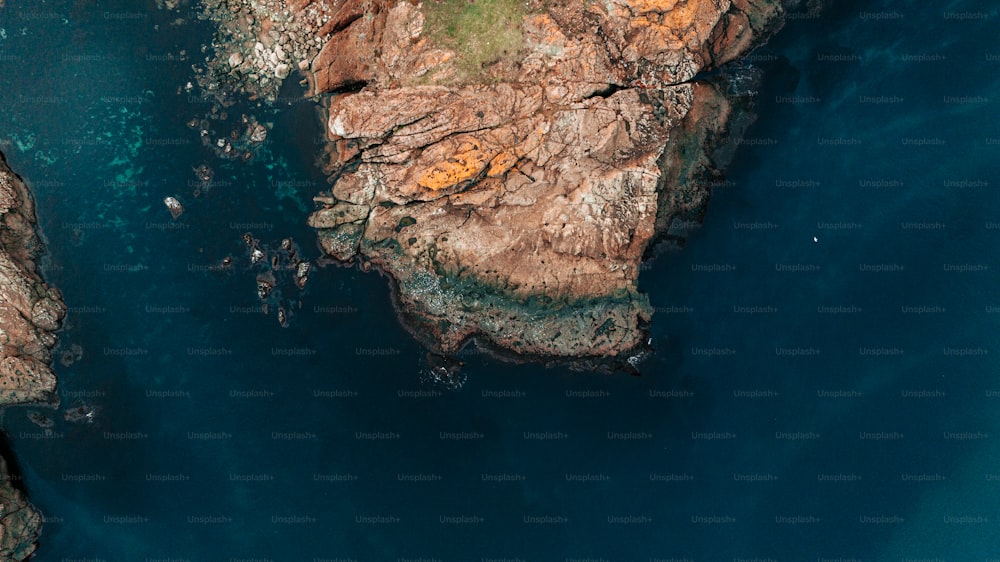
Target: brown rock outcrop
515, 205
30, 313
519, 208
30, 310
20, 522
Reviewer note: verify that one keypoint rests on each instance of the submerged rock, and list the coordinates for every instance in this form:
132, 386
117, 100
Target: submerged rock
442, 372
40, 419
204, 173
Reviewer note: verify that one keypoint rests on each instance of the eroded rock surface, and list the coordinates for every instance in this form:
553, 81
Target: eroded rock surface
30, 310
30, 313
20, 522
516, 204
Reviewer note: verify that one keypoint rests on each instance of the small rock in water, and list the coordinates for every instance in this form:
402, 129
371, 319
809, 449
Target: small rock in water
265, 284
83, 413
281, 71
443, 372
174, 206
302, 274
40, 419
203, 172
256, 256
71, 355
258, 133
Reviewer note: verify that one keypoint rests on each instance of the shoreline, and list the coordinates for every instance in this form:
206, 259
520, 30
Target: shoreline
425, 204
32, 314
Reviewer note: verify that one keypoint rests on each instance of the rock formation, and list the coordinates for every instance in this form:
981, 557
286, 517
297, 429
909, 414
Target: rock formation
509, 164
30, 313
30, 310
19, 521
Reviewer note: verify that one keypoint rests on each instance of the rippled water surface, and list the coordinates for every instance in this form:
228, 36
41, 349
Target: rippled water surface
824, 384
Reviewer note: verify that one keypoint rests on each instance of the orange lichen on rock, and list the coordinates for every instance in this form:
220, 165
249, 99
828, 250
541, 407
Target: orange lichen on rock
644, 6
502, 163
549, 39
690, 13
688, 23
467, 162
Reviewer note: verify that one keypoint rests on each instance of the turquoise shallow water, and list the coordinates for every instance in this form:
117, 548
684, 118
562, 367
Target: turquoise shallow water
808, 399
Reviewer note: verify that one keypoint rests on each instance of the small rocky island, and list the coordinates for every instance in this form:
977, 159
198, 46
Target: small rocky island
30, 314
508, 164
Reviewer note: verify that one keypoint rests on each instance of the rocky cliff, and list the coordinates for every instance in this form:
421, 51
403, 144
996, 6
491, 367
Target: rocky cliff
30, 313
30, 310
20, 522
509, 164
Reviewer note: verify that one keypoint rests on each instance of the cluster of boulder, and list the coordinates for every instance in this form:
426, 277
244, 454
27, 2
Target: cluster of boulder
261, 42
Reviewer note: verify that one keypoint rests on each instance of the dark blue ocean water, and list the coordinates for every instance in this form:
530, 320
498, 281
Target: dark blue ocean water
827, 398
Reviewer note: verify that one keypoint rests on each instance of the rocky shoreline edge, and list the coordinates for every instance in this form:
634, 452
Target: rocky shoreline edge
31, 312
588, 326
736, 86
512, 204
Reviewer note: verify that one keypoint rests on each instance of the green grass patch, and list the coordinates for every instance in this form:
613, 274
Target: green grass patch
480, 32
